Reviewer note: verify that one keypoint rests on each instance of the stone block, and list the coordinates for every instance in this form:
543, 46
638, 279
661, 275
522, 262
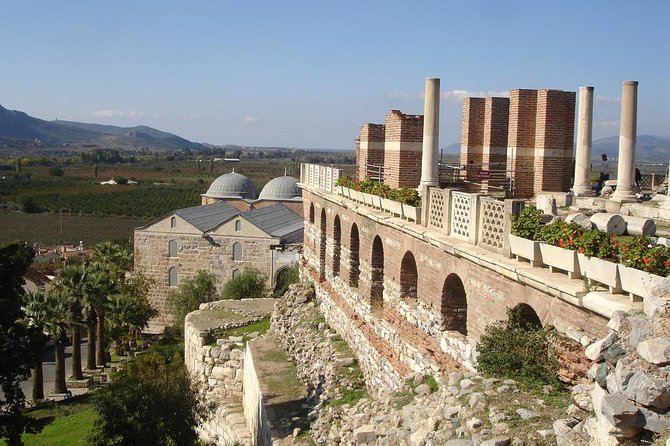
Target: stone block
596, 350
365, 434
655, 351
653, 421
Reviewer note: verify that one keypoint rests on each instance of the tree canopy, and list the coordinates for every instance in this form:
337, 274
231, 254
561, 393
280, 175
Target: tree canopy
190, 294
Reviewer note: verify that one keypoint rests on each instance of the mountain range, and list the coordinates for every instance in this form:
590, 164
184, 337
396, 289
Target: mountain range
649, 148
17, 125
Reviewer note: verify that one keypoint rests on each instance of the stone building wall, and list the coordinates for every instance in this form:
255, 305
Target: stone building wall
194, 252
494, 145
472, 136
409, 331
402, 149
521, 141
370, 150
554, 140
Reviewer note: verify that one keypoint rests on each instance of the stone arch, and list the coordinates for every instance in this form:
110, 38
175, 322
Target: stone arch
282, 278
311, 213
172, 248
236, 273
408, 277
527, 316
454, 305
354, 256
377, 277
173, 276
337, 243
173, 222
238, 225
322, 246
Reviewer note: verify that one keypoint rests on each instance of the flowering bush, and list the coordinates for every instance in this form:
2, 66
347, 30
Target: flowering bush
640, 253
562, 234
404, 195
527, 223
597, 243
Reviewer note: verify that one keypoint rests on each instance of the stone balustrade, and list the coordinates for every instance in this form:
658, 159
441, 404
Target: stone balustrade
321, 177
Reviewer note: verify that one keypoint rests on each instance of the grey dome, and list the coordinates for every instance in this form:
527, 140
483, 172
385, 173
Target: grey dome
281, 188
231, 185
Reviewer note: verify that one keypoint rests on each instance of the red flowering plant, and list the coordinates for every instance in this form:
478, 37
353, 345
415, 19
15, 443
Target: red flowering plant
404, 195
641, 253
561, 234
597, 243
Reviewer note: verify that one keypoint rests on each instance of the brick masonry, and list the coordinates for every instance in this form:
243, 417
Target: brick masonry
408, 333
402, 149
370, 148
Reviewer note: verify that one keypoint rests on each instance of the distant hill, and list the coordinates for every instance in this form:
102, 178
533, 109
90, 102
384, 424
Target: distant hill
649, 148
21, 126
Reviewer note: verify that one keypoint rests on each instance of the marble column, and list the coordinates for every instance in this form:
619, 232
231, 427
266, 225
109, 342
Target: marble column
582, 186
625, 181
431, 133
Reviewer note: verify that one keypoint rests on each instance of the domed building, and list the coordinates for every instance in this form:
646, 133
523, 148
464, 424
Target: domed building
230, 231
233, 187
283, 190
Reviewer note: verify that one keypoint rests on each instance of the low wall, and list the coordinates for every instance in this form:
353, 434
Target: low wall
254, 409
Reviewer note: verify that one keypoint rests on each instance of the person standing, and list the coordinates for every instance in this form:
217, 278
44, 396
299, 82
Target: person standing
605, 168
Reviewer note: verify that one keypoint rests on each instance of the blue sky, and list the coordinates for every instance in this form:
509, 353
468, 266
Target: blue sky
309, 73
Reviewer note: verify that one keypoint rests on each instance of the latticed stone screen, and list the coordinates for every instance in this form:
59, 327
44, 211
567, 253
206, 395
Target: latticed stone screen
438, 200
461, 204
492, 227
320, 176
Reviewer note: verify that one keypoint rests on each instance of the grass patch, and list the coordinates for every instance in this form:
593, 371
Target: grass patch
432, 383
244, 331
401, 399
349, 396
66, 422
226, 314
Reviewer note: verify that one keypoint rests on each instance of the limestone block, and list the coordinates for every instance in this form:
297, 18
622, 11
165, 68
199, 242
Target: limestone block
664, 241
655, 351
615, 321
547, 204
596, 350
365, 434
649, 390
640, 330
610, 223
219, 373
580, 219
658, 302
621, 414
639, 226
654, 422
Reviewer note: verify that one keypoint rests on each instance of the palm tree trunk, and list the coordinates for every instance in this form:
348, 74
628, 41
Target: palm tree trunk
76, 353
100, 341
90, 353
38, 378
59, 379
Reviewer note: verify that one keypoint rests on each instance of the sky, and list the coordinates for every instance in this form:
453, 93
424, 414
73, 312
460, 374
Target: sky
308, 73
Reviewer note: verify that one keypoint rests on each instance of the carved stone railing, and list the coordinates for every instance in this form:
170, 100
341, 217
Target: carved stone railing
652, 182
321, 177
477, 219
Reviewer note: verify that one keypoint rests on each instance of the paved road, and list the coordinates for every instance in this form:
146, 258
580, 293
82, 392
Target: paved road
49, 366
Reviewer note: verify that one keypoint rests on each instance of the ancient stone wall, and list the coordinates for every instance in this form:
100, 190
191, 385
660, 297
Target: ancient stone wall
433, 305
194, 252
402, 149
370, 149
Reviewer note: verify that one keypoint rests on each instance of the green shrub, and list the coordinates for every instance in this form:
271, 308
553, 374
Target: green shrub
285, 278
562, 234
405, 195
190, 294
597, 243
641, 253
519, 350
527, 223
250, 284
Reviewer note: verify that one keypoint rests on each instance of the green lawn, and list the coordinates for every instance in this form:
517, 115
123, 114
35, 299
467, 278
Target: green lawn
69, 423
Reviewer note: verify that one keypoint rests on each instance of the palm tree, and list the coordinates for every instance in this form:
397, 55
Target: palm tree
56, 323
37, 318
98, 285
129, 312
70, 286
116, 260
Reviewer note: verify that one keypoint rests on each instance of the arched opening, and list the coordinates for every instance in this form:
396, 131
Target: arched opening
337, 241
238, 226
377, 277
173, 278
173, 222
524, 316
322, 246
408, 277
311, 213
285, 276
236, 273
237, 251
172, 248
354, 256
454, 305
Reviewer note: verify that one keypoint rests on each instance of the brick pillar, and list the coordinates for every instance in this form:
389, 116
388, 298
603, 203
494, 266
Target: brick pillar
370, 148
472, 138
554, 138
402, 149
521, 141
494, 145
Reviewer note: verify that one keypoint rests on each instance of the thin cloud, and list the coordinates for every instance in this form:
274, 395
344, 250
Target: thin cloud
250, 120
606, 123
132, 114
607, 100
404, 95
458, 95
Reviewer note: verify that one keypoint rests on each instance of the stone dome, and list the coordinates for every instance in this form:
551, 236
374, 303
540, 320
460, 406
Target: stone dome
231, 185
281, 188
